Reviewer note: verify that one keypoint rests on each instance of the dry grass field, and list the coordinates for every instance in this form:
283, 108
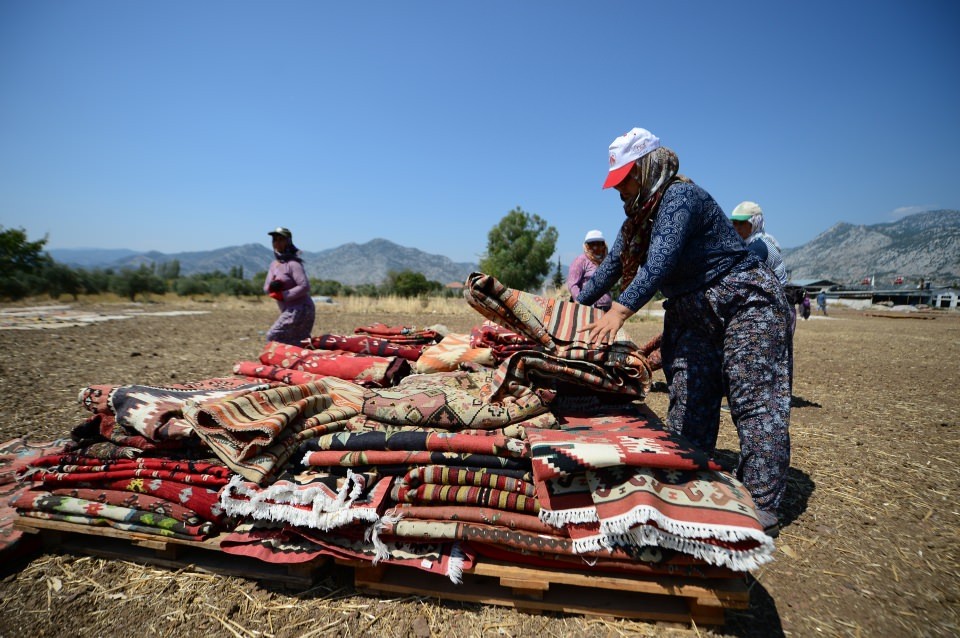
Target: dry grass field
869, 547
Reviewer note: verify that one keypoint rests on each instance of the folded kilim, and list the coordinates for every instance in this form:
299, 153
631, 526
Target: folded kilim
275, 544
66, 469
256, 434
15, 455
506, 519
399, 334
156, 412
367, 345
99, 521
274, 373
452, 401
317, 500
524, 535
102, 437
706, 514
609, 442
501, 341
555, 326
433, 441
41, 504
363, 423
362, 370
201, 499
481, 488
367, 458
144, 502
453, 353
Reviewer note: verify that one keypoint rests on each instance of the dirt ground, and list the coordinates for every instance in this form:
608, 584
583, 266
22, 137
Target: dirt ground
869, 547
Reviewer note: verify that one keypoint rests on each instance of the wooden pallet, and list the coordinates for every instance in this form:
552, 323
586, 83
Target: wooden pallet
537, 590
528, 589
202, 556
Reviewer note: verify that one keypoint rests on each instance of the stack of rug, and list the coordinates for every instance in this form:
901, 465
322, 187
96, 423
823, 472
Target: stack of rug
519, 441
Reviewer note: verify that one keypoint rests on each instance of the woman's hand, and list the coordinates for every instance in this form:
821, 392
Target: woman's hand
604, 330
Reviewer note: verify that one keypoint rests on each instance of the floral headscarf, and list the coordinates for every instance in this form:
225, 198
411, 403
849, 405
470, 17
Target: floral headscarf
655, 171
595, 251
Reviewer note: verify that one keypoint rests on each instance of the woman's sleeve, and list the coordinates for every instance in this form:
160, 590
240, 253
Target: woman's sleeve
671, 229
759, 248
301, 287
268, 278
574, 276
606, 275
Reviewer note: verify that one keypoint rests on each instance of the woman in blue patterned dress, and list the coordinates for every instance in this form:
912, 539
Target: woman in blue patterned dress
726, 316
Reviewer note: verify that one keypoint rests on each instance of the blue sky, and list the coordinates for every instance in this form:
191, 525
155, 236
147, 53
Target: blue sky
181, 126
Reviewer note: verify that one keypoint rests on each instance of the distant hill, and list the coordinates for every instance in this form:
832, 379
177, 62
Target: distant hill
89, 257
350, 264
923, 245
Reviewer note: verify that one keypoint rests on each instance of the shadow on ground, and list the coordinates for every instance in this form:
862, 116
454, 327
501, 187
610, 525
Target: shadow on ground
761, 619
800, 402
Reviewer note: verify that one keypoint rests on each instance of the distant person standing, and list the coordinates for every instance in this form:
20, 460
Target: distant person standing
585, 265
822, 303
805, 304
287, 283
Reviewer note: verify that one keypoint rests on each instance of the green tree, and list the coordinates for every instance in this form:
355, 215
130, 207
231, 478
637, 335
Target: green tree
95, 281
130, 283
558, 276
326, 287
169, 270
408, 283
19, 255
519, 249
365, 290
22, 264
61, 279
190, 286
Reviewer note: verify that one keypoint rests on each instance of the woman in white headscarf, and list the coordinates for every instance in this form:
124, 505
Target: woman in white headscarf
747, 218
725, 329
582, 268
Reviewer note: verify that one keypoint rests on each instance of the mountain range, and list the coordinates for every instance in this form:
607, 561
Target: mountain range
351, 264
923, 245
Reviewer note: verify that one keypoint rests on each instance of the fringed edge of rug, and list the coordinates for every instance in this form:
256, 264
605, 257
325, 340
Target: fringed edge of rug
562, 518
275, 504
372, 535
644, 514
455, 564
642, 535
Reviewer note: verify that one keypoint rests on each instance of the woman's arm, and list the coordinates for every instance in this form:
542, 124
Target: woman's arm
672, 227
271, 273
575, 276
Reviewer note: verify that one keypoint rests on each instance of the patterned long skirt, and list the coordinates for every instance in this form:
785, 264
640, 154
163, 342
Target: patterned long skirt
294, 324
733, 338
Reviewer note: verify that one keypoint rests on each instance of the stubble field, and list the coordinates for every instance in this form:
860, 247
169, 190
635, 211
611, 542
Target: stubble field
869, 547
